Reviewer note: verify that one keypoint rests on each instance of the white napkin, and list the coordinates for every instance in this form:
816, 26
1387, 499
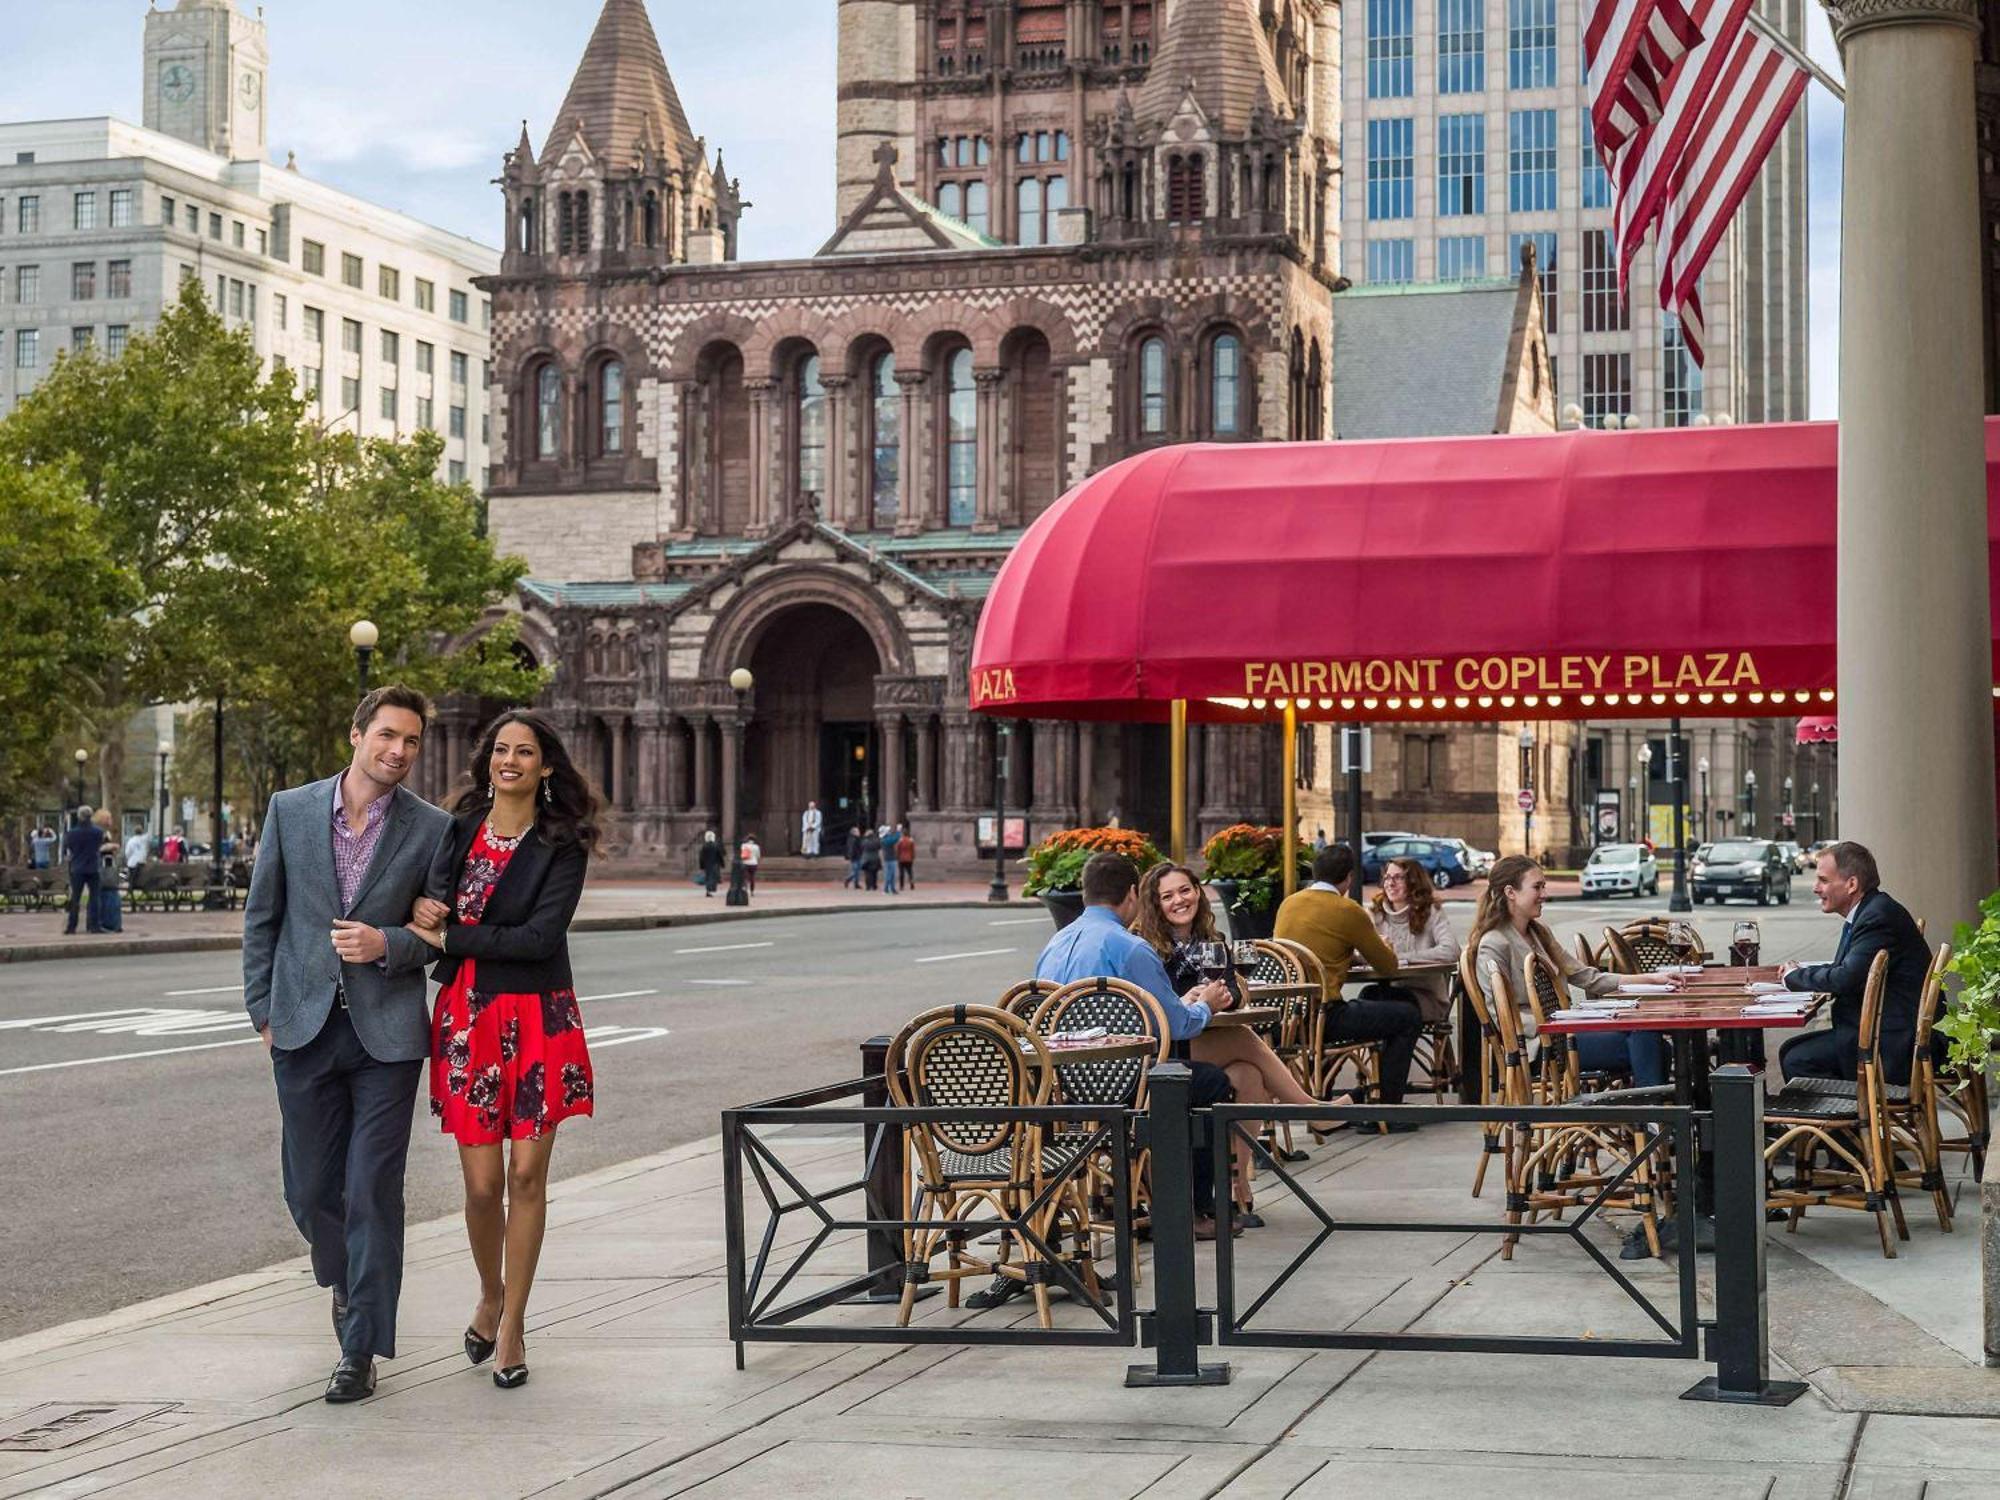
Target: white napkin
1584, 1013
1682, 969
1645, 989
1766, 987
1775, 1008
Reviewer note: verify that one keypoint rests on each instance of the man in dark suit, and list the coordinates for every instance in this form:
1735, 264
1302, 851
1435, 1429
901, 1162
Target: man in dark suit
84, 845
334, 983
1848, 886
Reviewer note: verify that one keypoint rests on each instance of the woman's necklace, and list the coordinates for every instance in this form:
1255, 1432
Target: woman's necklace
506, 845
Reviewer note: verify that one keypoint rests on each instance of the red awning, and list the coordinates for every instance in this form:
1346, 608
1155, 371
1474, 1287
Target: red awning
1572, 575
1820, 729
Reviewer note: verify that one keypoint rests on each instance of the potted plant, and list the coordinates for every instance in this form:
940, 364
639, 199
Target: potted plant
1055, 865
1245, 865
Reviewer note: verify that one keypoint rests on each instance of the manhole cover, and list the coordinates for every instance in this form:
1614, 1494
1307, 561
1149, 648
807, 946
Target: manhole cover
43, 1429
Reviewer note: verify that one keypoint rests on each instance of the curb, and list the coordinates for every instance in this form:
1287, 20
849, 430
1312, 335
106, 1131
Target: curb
222, 942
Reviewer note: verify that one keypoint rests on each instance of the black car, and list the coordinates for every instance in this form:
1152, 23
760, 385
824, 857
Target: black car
1745, 869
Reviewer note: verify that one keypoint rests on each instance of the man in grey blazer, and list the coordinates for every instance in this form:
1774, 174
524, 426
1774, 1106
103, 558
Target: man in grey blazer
334, 983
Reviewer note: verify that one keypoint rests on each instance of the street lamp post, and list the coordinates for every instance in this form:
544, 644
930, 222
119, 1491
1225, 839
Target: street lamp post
81, 757
1002, 734
740, 682
1645, 790
1676, 774
1791, 824
1528, 786
166, 751
216, 898
1707, 828
1749, 804
362, 636
1818, 834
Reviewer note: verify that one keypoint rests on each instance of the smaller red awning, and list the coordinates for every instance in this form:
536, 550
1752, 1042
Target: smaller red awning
1581, 574
1819, 729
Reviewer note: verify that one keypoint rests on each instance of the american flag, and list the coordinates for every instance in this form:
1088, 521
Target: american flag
1720, 111
1631, 47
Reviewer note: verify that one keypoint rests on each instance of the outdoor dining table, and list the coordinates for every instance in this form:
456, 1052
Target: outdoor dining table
1111, 1048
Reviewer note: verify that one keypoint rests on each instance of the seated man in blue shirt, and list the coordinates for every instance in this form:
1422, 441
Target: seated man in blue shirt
1101, 942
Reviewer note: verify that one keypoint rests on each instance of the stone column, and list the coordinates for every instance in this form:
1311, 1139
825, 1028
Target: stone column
704, 781
732, 771
913, 499
763, 497
927, 756
992, 464
1914, 640
1086, 773
620, 788
890, 726
833, 505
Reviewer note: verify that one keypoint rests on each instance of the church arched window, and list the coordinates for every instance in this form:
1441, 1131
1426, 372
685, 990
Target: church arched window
884, 438
1153, 387
610, 408
1225, 385
548, 413
812, 429
961, 443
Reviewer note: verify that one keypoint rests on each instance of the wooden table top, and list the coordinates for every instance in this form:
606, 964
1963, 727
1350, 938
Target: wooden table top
1690, 1011
1254, 1015
1408, 971
1105, 1049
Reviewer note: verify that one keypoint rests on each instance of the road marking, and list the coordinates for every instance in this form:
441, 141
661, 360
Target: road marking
724, 948
84, 1062
151, 1020
615, 995
220, 989
77, 1015
1017, 922
600, 1037
715, 981
945, 958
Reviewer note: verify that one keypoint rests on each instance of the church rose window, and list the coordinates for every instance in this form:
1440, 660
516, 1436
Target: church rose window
885, 428
1153, 387
611, 391
548, 413
812, 429
961, 441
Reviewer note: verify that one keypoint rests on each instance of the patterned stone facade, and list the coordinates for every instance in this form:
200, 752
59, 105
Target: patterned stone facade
1048, 259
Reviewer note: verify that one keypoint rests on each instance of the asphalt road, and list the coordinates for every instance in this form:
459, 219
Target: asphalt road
142, 1129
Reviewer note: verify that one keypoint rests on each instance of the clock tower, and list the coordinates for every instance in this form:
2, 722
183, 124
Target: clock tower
205, 70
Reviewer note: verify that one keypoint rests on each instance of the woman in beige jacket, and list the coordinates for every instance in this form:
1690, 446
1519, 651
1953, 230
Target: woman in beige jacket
1412, 921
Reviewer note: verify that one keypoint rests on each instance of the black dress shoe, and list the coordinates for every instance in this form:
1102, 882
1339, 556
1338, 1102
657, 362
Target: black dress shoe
353, 1379
477, 1349
1004, 1289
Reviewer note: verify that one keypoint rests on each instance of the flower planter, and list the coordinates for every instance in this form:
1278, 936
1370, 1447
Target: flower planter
1243, 923
1063, 906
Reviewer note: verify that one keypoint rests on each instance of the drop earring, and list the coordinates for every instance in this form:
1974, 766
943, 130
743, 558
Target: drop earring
548, 792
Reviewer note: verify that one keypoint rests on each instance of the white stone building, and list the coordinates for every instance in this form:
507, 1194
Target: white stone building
101, 221
1465, 131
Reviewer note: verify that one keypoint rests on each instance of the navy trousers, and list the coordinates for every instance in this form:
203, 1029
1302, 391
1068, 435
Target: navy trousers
347, 1138
88, 888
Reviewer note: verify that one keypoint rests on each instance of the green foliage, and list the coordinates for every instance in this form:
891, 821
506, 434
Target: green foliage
1056, 863
1253, 858
1972, 1020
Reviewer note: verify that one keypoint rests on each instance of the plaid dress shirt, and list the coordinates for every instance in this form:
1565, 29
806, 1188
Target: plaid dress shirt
352, 851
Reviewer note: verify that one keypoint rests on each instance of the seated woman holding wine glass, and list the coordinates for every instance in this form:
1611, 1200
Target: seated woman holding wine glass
1174, 917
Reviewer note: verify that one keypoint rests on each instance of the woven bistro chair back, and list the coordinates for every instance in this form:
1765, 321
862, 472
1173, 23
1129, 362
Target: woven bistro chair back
1276, 963
1024, 997
1121, 1008
1586, 955
1555, 1067
974, 1057
1651, 946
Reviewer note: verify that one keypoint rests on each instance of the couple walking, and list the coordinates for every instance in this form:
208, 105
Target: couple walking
359, 886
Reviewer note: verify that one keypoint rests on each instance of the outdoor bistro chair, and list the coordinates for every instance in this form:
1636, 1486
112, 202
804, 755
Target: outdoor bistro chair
974, 1057
1323, 1060
1909, 1113
1492, 1051
1851, 1130
1587, 955
1123, 1009
1025, 997
1648, 947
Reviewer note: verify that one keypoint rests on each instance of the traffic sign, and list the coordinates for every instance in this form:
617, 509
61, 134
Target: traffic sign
1525, 799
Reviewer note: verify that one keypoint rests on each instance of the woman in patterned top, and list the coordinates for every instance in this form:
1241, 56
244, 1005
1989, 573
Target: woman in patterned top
508, 1060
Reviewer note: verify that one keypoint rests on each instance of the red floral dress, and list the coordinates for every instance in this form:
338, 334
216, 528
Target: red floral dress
503, 1065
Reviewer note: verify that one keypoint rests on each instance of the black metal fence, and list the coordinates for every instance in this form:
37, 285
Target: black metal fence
877, 1204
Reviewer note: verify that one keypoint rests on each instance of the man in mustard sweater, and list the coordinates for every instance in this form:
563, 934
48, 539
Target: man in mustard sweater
1336, 929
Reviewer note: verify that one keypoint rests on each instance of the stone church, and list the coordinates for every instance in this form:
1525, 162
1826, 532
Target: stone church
1066, 233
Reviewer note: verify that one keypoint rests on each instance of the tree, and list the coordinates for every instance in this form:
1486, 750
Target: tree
59, 592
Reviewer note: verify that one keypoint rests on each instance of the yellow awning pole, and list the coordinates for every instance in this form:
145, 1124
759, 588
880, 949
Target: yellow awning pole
1177, 778
1288, 844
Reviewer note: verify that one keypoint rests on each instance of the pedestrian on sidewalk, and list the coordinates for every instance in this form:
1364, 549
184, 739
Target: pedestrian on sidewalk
348, 856
906, 858
41, 847
892, 838
110, 916
173, 848
871, 857
509, 1061
853, 858
710, 861
810, 824
137, 848
84, 846
751, 853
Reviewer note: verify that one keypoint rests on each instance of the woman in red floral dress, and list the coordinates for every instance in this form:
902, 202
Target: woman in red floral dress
508, 1061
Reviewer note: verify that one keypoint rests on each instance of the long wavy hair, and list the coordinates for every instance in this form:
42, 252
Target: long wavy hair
1152, 924
1422, 894
567, 814
1508, 874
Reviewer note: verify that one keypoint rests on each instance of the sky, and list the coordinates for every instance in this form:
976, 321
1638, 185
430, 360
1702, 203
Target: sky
412, 105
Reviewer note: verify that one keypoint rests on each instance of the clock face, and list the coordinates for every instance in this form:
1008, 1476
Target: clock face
247, 90
177, 83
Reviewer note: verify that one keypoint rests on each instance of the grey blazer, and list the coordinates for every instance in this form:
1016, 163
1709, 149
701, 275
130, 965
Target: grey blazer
289, 966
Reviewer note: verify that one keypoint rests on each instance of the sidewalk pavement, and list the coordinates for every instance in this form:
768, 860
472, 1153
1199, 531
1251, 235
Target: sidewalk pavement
634, 1391
608, 906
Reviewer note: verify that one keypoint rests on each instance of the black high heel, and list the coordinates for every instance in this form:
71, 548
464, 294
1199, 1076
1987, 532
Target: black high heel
511, 1377
477, 1349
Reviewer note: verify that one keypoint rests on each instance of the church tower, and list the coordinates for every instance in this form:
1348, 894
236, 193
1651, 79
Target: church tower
206, 66
621, 181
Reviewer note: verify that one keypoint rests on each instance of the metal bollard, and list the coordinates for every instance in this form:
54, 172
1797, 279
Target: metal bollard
1741, 1342
1176, 1321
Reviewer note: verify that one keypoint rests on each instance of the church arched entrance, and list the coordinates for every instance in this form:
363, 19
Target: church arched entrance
812, 736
